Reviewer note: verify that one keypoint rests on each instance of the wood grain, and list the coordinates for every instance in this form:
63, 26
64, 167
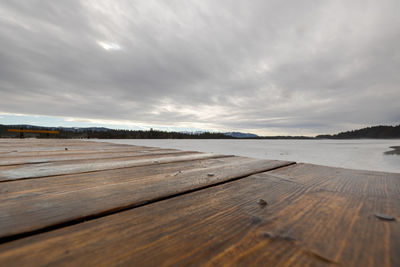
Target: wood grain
62, 152
32, 145
19, 160
358, 182
77, 152
15, 172
30, 205
302, 225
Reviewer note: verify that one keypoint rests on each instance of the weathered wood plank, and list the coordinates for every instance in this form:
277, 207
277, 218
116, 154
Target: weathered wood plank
71, 182
224, 225
18, 160
58, 149
26, 207
359, 182
62, 152
50, 144
9, 173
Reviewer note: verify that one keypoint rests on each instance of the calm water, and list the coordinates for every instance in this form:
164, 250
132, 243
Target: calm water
355, 154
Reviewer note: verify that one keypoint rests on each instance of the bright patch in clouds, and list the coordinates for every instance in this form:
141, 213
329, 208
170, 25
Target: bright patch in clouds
109, 45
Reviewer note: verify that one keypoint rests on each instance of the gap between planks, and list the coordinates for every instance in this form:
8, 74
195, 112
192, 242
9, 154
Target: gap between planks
86, 157
116, 210
24, 173
303, 224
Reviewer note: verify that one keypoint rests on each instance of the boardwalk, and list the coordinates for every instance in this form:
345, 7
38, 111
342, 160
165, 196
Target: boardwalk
72, 202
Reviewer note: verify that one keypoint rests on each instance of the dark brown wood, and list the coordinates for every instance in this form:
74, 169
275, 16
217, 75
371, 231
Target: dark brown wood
26, 206
302, 225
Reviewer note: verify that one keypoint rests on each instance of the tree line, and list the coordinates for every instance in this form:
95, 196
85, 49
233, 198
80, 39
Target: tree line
104, 133
374, 132
381, 132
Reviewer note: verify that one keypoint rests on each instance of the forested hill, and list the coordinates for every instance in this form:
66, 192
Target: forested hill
369, 132
105, 133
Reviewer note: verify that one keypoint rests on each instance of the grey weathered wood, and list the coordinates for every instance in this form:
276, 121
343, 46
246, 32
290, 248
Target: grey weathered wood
61, 152
18, 160
32, 145
8, 173
359, 182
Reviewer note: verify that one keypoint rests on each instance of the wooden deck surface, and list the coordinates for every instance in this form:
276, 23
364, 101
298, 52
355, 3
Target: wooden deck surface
80, 203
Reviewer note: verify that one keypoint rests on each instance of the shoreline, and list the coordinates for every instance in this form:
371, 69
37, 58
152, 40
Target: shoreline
395, 151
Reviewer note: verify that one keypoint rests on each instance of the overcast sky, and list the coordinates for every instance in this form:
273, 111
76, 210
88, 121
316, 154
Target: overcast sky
267, 67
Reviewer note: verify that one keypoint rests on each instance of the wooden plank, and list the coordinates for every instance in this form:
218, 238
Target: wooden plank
78, 151
54, 145
65, 183
359, 182
50, 142
302, 225
27, 207
44, 149
18, 160
44, 145
9, 173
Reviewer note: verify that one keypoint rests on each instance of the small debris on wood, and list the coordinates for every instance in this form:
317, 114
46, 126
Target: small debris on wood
267, 235
255, 220
384, 217
178, 172
262, 202
288, 238
210, 174
66, 148
278, 237
320, 257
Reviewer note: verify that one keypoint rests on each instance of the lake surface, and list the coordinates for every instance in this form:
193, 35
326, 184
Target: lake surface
366, 154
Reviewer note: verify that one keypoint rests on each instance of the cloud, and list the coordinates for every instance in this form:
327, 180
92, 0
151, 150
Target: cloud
265, 66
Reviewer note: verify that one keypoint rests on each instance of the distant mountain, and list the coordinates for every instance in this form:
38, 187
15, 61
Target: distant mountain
241, 135
83, 129
381, 132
